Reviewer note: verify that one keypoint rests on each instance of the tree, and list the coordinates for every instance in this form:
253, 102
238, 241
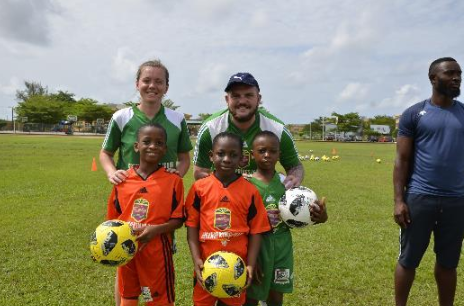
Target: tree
384, 120
130, 103
32, 89
168, 103
41, 109
204, 116
89, 110
314, 128
63, 96
350, 122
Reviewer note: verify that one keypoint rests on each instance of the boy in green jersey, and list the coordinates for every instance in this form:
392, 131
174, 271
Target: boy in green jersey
274, 275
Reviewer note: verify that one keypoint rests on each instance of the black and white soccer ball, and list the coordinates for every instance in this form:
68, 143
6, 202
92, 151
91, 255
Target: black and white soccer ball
224, 274
294, 206
113, 243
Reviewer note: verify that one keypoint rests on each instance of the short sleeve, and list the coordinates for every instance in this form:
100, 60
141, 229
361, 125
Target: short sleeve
112, 140
178, 200
184, 145
288, 151
259, 223
202, 148
113, 209
409, 119
192, 208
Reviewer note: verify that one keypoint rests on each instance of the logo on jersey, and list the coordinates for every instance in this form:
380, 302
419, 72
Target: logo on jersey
222, 218
140, 209
146, 294
273, 214
225, 199
422, 113
270, 199
282, 276
143, 190
245, 162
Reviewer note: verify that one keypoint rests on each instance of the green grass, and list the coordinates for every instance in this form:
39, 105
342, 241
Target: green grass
51, 202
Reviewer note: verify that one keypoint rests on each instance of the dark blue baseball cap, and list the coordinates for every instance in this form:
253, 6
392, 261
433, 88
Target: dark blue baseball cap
242, 78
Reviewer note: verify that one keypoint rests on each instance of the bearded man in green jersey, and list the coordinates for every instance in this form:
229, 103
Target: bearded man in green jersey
245, 118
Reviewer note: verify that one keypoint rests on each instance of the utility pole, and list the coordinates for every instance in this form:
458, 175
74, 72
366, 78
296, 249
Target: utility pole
12, 119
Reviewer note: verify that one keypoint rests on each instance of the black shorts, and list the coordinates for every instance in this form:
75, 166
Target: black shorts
444, 216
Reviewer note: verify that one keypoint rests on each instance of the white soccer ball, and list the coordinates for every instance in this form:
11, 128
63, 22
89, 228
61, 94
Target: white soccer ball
294, 206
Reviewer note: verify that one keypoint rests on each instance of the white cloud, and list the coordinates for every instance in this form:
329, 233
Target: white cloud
215, 10
259, 19
311, 55
27, 21
123, 67
405, 96
10, 88
353, 92
211, 78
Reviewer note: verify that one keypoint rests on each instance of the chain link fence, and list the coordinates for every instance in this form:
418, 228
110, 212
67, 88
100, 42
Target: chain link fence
66, 128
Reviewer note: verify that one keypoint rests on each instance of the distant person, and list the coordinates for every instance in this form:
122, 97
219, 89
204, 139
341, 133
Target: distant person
428, 181
244, 118
151, 199
224, 213
152, 82
274, 273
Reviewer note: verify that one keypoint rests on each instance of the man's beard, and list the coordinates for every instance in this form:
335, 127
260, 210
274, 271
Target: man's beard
245, 119
446, 91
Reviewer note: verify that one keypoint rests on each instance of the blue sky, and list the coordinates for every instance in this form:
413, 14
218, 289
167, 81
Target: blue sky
310, 57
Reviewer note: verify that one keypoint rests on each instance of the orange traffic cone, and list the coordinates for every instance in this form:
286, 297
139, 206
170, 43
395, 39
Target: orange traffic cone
94, 165
334, 151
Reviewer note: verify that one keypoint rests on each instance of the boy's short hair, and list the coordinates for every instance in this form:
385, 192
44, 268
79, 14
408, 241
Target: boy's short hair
265, 134
228, 135
154, 125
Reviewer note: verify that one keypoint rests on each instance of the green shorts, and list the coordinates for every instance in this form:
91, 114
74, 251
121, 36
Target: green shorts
276, 261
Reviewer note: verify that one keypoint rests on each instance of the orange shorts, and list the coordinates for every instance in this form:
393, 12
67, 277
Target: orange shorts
201, 297
239, 246
150, 274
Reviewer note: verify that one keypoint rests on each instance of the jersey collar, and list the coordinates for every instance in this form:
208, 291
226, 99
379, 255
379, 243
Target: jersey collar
144, 117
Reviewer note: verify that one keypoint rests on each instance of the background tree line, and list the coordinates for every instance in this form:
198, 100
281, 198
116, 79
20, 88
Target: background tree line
41, 106
351, 123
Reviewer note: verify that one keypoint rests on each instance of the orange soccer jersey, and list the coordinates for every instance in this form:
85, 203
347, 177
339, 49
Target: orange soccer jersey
225, 216
141, 202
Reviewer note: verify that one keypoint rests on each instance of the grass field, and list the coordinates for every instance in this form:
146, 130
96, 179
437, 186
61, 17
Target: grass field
50, 203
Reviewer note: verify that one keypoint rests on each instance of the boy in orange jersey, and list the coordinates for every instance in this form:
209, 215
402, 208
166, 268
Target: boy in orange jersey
224, 213
151, 200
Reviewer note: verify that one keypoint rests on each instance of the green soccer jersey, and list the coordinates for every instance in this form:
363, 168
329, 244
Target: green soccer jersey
122, 133
220, 122
271, 194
